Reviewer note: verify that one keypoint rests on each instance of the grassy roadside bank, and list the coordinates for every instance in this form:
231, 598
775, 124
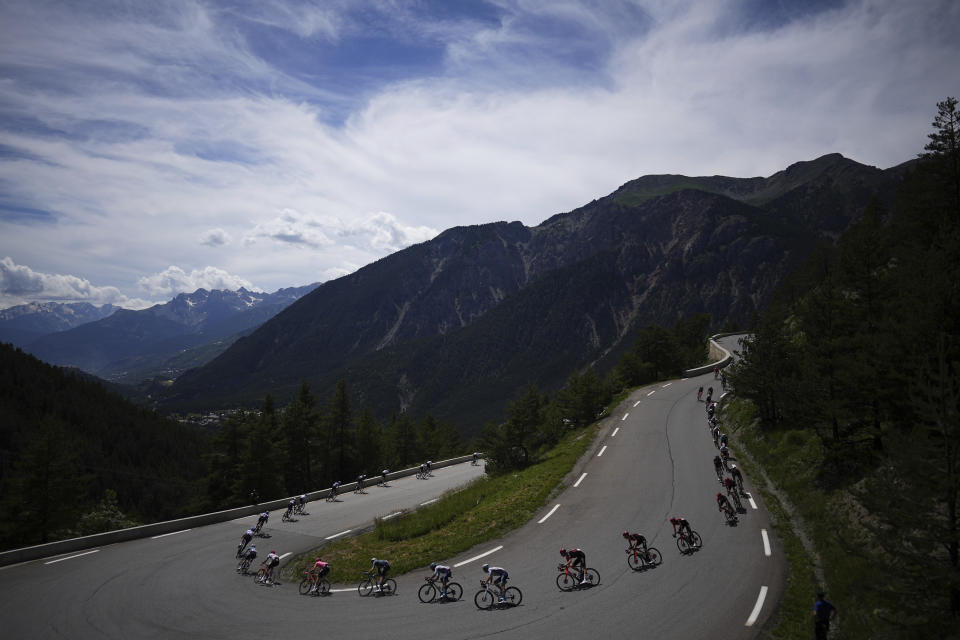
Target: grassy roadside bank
483, 510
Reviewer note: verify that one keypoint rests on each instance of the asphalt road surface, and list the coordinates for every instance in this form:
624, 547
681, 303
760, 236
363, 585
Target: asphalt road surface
651, 460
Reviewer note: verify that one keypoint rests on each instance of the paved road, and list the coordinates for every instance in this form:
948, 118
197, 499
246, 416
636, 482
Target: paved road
651, 460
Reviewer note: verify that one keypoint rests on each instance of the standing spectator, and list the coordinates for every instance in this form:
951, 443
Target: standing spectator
823, 614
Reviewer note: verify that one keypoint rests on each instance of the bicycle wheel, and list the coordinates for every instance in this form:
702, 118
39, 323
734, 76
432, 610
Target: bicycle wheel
262, 575
512, 597
566, 582
592, 576
454, 591
634, 561
389, 587
484, 599
683, 545
697, 542
654, 557
365, 588
427, 593
305, 585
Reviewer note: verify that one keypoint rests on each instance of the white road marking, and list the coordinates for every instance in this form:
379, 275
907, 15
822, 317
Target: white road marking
615, 432
288, 553
636, 403
395, 513
428, 502
766, 542
756, 608
486, 553
337, 535
342, 590
624, 417
579, 480
651, 393
752, 503
666, 385
602, 450
555, 507
164, 535
85, 553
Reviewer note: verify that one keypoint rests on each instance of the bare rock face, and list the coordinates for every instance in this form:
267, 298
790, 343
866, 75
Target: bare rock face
454, 325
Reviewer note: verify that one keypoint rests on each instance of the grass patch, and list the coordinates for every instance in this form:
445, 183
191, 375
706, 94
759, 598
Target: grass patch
485, 509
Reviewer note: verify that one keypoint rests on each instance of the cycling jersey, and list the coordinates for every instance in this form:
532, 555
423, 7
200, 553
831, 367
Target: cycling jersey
443, 572
251, 554
636, 539
248, 535
272, 559
576, 557
498, 574
382, 566
729, 484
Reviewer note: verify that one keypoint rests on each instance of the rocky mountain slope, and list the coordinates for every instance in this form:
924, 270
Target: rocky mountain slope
22, 324
456, 324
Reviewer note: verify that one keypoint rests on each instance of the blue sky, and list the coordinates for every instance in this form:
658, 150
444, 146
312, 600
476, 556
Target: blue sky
152, 148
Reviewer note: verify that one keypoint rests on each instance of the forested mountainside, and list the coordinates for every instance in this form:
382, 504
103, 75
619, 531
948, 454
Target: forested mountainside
68, 445
452, 325
853, 374
166, 339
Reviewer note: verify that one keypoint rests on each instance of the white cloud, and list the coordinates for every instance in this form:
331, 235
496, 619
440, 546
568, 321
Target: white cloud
378, 233
20, 284
173, 280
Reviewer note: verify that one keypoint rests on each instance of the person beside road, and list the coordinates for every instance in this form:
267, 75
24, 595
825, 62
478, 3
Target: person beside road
823, 614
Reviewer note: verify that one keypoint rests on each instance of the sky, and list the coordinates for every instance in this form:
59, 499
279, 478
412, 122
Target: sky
153, 148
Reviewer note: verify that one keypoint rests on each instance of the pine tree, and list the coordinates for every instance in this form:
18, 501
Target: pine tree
340, 430
944, 148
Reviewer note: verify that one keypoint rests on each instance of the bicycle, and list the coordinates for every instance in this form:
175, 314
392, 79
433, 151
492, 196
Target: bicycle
568, 582
429, 591
359, 488
312, 585
332, 496
638, 561
367, 586
489, 597
422, 475
288, 516
689, 542
738, 505
382, 482
243, 567
265, 576
730, 516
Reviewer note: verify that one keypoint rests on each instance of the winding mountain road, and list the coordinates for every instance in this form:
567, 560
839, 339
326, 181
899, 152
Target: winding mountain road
651, 460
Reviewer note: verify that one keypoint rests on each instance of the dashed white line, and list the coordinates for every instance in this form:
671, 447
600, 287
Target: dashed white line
555, 507
428, 502
164, 535
636, 403
752, 503
666, 385
756, 608
288, 553
624, 417
651, 393
579, 480
85, 553
337, 535
602, 450
766, 542
342, 590
395, 513
614, 432
486, 553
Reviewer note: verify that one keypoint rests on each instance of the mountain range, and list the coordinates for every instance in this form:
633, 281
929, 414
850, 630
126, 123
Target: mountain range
25, 323
456, 325
129, 346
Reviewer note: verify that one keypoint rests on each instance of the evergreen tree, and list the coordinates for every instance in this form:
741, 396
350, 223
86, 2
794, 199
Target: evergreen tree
402, 446
299, 426
340, 430
369, 439
944, 149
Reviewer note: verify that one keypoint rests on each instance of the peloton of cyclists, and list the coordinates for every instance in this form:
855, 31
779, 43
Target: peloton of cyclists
498, 576
576, 559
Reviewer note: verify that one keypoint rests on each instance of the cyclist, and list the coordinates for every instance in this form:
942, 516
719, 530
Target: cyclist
244, 541
476, 456
271, 561
711, 409
716, 371
444, 573
718, 467
320, 569
423, 471
360, 479
429, 467
301, 503
382, 567
334, 488
290, 507
699, 394
737, 476
730, 485
637, 543
723, 440
724, 454
262, 520
724, 505
576, 559
383, 476
681, 526
498, 576
249, 557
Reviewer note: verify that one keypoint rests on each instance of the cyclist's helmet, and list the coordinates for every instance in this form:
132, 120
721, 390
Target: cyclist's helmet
485, 567
253, 547
273, 550
433, 565
626, 534
563, 552
719, 495
732, 466
373, 559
